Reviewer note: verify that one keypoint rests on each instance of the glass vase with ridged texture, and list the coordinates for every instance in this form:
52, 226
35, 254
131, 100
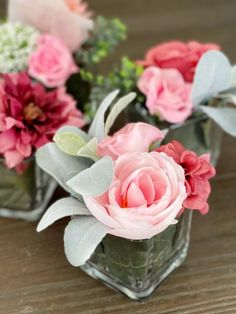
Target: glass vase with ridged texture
137, 268
25, 194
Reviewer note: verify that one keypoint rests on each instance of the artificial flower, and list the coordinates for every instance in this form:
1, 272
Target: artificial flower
198, 171
144, 198
51, 63
178, 55
30, 115
134, 137
167, 94
17, 43
68, 20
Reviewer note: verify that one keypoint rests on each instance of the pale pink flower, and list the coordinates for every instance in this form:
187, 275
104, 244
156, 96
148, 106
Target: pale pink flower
167, 94
144, 198
68, 20
30, 116
134, 137
51, 63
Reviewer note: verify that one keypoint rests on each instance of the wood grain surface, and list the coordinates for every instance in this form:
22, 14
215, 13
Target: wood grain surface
34, 274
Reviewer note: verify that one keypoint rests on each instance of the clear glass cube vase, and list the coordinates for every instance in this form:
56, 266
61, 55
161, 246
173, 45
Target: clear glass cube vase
25, 194
137, 268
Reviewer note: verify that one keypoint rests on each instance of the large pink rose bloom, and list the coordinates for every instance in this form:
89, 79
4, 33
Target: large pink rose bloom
144, 198
30, 116
51, 63
198, 171
66, 19
167, 94
134, 137
178, 55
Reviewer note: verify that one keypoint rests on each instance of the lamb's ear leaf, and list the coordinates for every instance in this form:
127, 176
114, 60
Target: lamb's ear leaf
97, 128
224, 117
69, 142
89, 150
213, 75
121, 104
59, 165
74, 130
95, 180
64, 207
82, 236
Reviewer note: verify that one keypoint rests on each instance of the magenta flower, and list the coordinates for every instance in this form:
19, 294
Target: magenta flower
30, 115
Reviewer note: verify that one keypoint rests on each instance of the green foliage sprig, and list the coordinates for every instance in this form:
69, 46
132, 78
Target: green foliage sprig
108, 33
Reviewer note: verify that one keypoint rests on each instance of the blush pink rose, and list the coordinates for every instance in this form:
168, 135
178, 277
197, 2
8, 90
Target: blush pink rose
178, 55
167, 94
51, 63
198, 171
144, 198
134, 137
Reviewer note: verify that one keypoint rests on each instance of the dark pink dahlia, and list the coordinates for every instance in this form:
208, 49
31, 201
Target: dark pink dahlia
30, 115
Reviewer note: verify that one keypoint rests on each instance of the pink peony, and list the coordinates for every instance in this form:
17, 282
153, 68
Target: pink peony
51, 63
29, 116
198, 171
66, 19
144, 198
134, 137
168, 95
178, 55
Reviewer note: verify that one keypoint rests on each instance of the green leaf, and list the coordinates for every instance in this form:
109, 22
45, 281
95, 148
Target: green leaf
95, 180
69, 142
89, 150
62, 208
117, 109
59, 165
225, 117
213, 75
82, 236
97, 128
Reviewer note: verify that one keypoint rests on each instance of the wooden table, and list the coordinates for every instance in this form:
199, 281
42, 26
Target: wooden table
34, 274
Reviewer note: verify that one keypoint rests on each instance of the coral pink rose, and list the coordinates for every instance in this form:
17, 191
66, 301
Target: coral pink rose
168, 95
144, 198
134, 137
178, 55
198, 171
66, 19
52, 62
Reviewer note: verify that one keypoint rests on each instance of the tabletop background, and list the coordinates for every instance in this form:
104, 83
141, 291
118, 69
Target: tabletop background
34, 274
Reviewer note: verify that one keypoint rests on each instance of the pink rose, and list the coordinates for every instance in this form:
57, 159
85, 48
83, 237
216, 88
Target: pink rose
52, 62
134, 137
198, 171
168, 95
144, 198
66, 19
178, 55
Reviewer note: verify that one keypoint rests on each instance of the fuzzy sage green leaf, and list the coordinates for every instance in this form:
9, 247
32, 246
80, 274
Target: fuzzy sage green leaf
95, 180
117, 109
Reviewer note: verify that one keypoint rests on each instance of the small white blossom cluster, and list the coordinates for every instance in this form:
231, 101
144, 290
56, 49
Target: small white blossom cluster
17, 43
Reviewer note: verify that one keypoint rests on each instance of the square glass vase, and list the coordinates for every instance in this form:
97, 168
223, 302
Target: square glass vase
137, 268
25, 194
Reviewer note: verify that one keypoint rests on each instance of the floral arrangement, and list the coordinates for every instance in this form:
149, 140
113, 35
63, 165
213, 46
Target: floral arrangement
126, 184
176, 82
54, 42
43, 46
